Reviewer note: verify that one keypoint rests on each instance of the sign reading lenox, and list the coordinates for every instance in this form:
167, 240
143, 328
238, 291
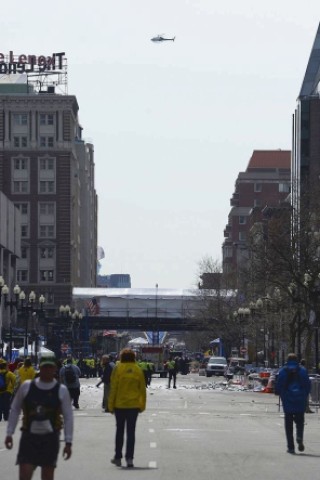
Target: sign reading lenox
30, 63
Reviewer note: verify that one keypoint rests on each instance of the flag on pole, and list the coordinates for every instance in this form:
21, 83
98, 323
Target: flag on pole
93, 307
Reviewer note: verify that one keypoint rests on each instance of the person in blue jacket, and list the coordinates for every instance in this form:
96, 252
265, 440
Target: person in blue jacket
293, 385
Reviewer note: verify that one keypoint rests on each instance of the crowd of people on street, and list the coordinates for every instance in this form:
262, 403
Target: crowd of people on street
46, 396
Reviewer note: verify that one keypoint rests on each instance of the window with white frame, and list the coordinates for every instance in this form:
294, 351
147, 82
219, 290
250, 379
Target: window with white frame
46, 186
23, 207
20, 163
257, 202
20, 187
46, 231
20, 141
24, 231
46, 208
258, 187
24, 252
242, 236
49, 296
228, 251
46, 163
20, 118
46, 141
46, 119
284, 187
22, 276
46, 275
46, 252
242, 220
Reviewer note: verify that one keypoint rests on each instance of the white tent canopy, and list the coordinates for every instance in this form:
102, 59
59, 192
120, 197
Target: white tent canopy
31, 351
138, 341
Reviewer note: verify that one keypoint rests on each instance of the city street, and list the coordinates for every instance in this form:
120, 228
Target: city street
193, 432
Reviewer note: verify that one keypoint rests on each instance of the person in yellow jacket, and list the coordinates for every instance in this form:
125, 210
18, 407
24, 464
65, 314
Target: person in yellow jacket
26, 371
127, 399
7, 383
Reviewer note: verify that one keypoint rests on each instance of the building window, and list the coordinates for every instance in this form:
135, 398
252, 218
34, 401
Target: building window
228, 252
46, 208
257, 202
46, 142
46, 252
49, 296
46, 119
24, 231
20, 119
20, 163
20, 142
24, 252
242, 236
46, 275
46, 163
284, 187
22, 276
20, 187
242, 220
46, 231
23, 207
258, 187
46, 186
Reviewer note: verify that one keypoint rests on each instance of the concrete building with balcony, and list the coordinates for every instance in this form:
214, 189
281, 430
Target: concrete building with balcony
265, 183
47, 172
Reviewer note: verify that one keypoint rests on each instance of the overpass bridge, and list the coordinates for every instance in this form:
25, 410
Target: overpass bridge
142, 309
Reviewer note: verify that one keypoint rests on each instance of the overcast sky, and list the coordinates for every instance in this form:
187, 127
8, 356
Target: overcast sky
172, 123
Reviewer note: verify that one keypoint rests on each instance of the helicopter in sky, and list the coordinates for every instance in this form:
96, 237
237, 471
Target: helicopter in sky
160, 38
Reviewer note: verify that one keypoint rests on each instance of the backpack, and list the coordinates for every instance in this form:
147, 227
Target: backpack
294, 386
69, 375
3, 385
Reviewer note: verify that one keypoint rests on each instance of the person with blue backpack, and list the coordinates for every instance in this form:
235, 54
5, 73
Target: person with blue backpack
293, 385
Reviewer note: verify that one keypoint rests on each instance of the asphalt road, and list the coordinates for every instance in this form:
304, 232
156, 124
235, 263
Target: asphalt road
193, 432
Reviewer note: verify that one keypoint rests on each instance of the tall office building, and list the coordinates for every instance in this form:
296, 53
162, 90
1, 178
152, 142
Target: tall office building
265, 183
47, 171
306, 128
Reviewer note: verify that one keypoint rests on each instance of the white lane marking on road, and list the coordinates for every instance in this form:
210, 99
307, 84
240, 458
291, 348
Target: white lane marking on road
153, 445
3, 449
204, 413
150, 420
151, 430
152, 464
182, 429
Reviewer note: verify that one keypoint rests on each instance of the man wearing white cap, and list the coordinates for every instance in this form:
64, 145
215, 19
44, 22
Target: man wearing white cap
42, 401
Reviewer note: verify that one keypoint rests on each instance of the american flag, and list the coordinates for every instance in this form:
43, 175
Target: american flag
93, 307
109, 333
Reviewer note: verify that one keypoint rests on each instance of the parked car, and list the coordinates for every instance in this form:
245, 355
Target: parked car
216, 366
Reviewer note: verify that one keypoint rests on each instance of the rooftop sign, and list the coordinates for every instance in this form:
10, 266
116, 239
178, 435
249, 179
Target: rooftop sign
30, 63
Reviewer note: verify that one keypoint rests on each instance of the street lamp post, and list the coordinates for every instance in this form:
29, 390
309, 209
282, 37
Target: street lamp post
243, 314
156, 319
24, 309
11, 304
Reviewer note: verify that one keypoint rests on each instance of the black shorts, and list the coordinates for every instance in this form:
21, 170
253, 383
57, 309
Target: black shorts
39, 450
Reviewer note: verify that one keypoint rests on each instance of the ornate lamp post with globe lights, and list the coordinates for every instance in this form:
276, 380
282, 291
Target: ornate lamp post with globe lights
24, 310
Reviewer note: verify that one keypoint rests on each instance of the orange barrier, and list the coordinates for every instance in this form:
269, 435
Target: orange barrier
270, 386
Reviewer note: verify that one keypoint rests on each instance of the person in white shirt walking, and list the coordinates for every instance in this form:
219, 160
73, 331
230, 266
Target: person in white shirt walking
42, 401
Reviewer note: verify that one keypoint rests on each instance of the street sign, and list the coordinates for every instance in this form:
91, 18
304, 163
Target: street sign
243, 350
